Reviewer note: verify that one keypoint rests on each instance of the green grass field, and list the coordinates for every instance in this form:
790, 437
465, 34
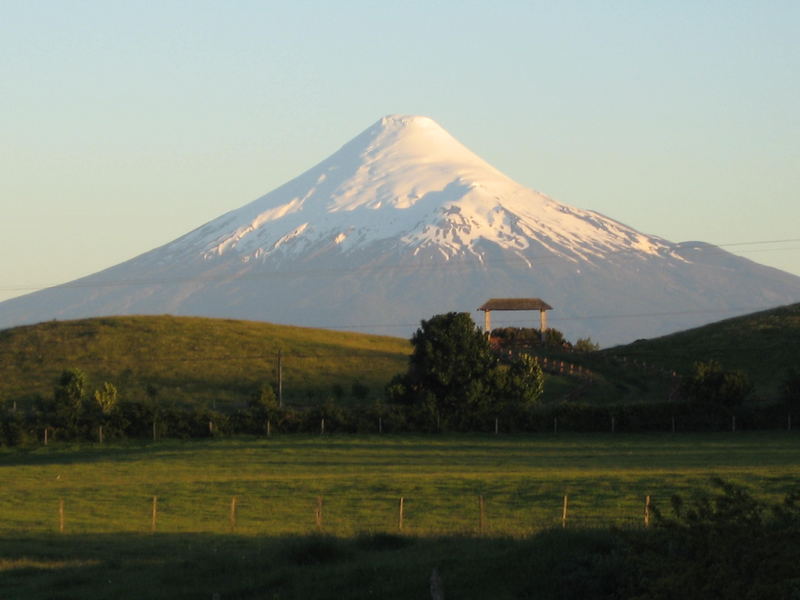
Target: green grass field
361, 479
107, 548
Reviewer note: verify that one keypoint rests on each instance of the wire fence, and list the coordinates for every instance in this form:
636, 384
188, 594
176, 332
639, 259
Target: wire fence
337, 515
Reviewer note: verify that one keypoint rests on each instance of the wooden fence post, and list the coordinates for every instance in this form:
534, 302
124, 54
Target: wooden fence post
437, 588
322, 426
482, 515
318, 513
564, 512
61, 515
496, 426
154, 515
100, 434
233, 514
269, 427
613, 424
647, 511
401, 514
155, 436
45, 436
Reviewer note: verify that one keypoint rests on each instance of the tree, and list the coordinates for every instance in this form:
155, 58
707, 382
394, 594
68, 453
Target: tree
523, 384
449, 364
447, 369
454, 377
586, 345
68, 397
106, 398
709, 382
359, 391
790, 390
262, 407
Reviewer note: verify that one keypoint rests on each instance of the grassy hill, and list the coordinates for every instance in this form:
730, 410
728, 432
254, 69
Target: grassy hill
186, 359
222, 362
763, 344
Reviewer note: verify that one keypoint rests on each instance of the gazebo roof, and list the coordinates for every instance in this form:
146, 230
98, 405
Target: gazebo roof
515, 304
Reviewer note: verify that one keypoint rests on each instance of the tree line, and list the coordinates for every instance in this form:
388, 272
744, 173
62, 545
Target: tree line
456, 381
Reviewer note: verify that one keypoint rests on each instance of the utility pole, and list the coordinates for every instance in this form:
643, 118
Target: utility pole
280, 378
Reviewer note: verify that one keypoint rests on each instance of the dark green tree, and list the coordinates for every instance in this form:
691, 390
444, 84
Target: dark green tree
710, 383
450, 365
448, 377
790, 390
455, 379
68, 397
359, 391
262, 407
520, 385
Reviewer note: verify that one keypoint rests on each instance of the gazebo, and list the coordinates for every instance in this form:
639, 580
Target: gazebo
515, 304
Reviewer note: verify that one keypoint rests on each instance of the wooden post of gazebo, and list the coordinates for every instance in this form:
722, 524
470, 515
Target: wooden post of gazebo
515, 304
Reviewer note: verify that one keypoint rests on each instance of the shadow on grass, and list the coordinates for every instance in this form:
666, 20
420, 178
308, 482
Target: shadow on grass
553, 564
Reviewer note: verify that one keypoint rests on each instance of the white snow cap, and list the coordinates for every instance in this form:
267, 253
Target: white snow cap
407, 179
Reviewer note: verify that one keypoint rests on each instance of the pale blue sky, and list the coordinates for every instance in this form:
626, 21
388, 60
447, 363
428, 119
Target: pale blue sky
127, 124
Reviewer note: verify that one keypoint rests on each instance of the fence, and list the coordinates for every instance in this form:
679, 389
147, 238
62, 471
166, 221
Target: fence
466, 515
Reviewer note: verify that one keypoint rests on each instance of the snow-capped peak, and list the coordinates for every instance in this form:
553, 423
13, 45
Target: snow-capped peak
407, 179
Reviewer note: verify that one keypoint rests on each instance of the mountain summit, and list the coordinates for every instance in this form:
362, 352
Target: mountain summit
404, 222
405, 178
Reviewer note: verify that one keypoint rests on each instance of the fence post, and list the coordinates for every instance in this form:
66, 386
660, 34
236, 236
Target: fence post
401, 515
482, 515
564, 512
380, 424
100, 433
280, 378
496, 426
45, 436
233, 514
61, 515
322, 426
318, 513
647, 511
154, 516
155, 436
613, 424
269, 427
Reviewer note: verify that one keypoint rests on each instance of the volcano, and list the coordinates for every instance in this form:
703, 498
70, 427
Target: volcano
404, 222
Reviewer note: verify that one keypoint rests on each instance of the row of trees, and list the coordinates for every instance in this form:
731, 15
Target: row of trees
455, 381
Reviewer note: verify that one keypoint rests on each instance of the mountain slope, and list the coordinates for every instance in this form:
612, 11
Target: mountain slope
404, 222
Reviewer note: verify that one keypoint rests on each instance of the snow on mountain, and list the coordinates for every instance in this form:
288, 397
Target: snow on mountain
404, 222
407, 178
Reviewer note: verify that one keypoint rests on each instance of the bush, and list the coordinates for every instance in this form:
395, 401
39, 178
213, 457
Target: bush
720, 544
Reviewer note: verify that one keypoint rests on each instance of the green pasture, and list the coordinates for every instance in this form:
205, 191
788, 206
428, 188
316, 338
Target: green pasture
192, 360
107, 548
277, 482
